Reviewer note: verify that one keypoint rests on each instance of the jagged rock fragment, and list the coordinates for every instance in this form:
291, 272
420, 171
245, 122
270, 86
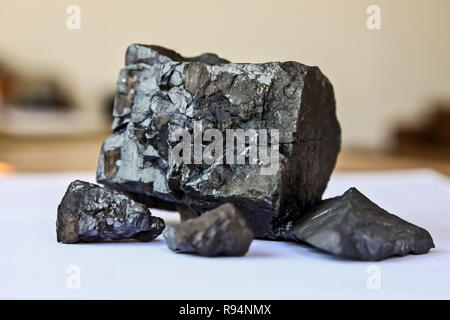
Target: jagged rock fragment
159, 93
222, 231
352, 226
89, 212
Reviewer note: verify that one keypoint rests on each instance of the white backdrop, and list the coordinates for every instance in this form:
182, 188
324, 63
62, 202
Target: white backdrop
34, 265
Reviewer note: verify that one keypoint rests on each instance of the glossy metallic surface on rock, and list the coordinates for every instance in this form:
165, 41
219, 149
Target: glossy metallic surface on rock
159, 91
222, 231
352, 226
89, 212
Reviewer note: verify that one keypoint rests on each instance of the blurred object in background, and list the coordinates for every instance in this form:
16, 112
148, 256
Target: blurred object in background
5, 168
108, 107
40, 94
42, 104
45, 123
42, 128
425, 144
7, 80
32, 92
430, 138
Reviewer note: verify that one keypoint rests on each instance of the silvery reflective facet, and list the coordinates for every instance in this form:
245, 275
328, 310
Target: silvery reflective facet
89, 212
161, 96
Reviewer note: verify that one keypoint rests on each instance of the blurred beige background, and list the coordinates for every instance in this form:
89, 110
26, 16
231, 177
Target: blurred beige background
381, 77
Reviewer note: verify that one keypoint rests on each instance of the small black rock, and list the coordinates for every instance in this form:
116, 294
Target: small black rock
352, 226
222, 231
89, 212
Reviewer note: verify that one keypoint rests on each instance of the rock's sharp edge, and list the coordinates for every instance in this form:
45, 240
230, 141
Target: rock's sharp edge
354, 227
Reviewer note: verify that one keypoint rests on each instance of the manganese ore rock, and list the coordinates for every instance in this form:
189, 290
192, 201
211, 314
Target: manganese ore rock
354, 227
89, 212
222, 231
160, 93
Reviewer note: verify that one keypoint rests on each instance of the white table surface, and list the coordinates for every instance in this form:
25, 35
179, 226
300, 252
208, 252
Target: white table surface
33, 265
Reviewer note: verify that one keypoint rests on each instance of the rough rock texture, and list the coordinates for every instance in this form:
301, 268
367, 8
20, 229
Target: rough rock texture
352, 226
222, 231
159, 92
89, 212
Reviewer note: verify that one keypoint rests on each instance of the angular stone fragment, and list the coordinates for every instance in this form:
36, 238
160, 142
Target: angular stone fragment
222, 231
159, 92
89, 212
352, 226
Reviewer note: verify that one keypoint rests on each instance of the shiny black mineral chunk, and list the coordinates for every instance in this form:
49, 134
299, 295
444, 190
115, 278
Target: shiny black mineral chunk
354, 227
159, 93
89, 212
222, 231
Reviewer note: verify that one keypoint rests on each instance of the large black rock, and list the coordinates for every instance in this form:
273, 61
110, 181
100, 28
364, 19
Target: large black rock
89, 212
222, 231
160, 92
354, 227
